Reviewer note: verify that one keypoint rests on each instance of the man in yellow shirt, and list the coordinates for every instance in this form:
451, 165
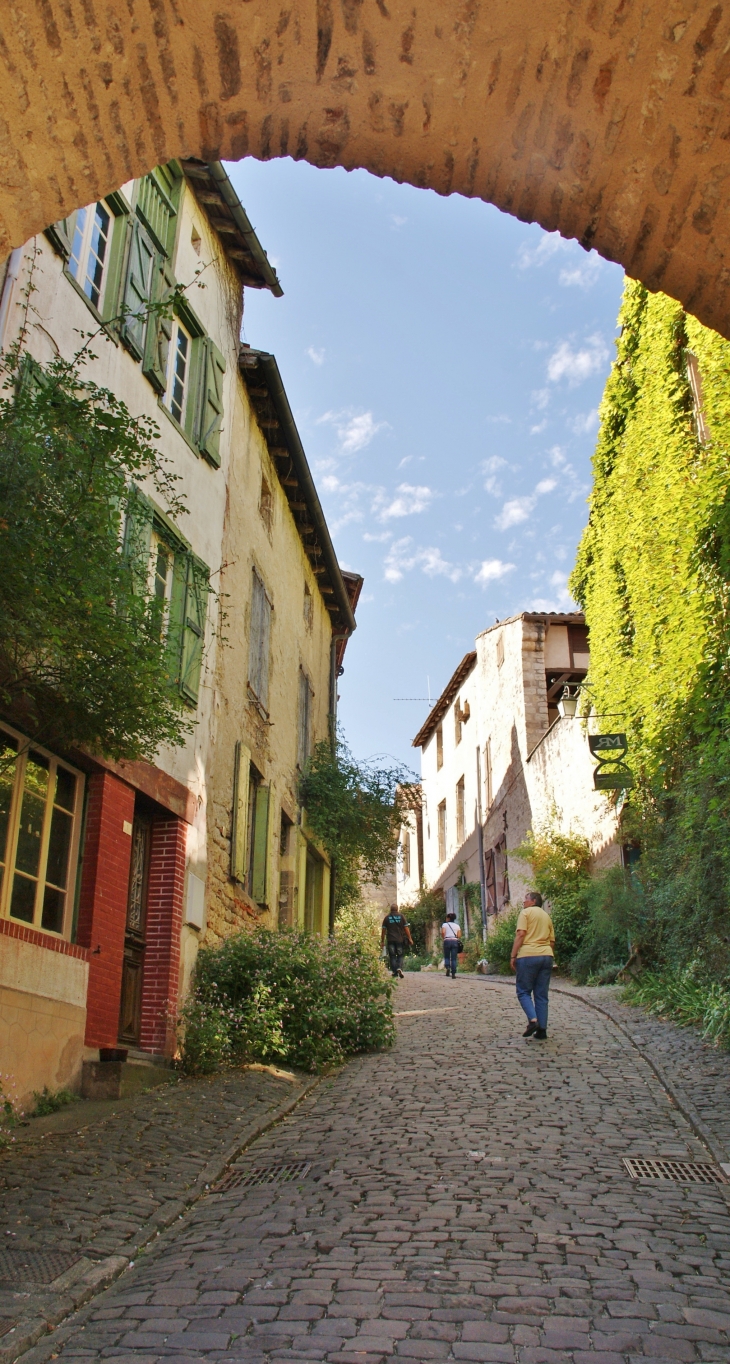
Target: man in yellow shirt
532, 959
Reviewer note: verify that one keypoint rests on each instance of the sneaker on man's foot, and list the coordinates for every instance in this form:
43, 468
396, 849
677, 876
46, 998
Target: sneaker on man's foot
401, 974
541, 1035
530, 1029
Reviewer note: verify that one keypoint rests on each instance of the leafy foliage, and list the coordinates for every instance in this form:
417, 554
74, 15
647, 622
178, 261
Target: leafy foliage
355, 810
81, 655
285, 997
422, 913
685, 997
500, 940
653, 576
561, 870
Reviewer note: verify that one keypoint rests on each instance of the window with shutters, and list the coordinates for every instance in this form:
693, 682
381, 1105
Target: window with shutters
441, 825
91, 249
92, 242
460, 812
304, 727
178, 371
259, 643
40, 814
177, 583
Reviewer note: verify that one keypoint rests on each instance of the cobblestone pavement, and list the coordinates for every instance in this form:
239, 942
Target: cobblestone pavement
466, 1201
99, 1188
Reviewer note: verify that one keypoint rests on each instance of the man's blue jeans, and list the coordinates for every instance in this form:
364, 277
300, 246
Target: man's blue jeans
533, 983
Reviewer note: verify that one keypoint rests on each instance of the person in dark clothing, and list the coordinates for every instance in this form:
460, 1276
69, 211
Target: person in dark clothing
395, 933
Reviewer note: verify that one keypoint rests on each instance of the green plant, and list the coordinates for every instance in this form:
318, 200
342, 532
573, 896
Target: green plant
685, 997
415, 961
355, 810
422, 914
285, 996
50, 1101
561, 870
500, 940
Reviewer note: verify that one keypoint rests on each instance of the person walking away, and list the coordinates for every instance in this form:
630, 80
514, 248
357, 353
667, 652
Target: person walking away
396, 933
450, 932
532, 961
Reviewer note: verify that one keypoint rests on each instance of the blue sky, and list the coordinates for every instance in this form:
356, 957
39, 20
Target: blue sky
444, 363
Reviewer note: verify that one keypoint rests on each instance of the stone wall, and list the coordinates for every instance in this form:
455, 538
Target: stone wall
606, 121
42, 1012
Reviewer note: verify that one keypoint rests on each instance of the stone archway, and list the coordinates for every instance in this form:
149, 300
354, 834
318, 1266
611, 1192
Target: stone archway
606, 119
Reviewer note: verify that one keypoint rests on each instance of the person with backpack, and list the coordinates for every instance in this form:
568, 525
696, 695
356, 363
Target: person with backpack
396, 933
451, 933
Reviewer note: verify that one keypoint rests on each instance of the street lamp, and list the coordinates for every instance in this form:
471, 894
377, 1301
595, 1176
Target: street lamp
567, 704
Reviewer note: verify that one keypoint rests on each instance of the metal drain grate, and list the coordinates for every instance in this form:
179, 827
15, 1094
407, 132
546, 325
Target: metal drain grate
265, 1174
679, 1171
34, 1266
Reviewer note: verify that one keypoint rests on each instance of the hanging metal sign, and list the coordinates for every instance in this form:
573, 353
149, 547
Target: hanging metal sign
611, 772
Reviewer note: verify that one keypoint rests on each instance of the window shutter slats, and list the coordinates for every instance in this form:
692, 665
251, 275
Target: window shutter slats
260, 845
210, 420
259, 642
138, 539
137, 287
159, 329
241, 776
60, 236
193, 628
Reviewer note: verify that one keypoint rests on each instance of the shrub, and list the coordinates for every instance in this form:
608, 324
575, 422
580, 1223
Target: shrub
499, 942
285, 997
685, 997
617, 921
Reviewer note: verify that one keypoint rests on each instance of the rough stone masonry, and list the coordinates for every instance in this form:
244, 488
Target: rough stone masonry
605, 119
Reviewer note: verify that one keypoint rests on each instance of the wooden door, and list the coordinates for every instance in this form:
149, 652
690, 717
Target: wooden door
130, 1011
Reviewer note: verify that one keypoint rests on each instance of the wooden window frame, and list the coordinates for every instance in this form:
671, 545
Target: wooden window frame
9, 853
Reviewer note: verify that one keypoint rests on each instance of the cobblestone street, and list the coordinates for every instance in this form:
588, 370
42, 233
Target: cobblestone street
465, 1200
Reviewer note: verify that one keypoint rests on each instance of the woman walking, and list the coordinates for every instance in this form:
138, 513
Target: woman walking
450, 932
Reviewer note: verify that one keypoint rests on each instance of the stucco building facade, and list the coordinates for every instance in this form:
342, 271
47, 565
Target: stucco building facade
495, 751
134, 864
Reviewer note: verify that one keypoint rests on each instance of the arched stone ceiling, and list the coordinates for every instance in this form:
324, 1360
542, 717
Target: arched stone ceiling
606, 119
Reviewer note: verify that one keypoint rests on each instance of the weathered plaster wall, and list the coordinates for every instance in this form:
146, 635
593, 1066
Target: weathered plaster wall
560, 781
42, 1019
279, 558
605, 119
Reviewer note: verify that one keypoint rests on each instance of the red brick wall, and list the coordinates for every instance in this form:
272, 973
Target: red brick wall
103, 902
164, 926
9, 928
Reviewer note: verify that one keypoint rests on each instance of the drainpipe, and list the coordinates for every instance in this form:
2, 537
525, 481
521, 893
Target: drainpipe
11, 275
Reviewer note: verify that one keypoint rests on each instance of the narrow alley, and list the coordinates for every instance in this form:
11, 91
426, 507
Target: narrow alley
461, 1197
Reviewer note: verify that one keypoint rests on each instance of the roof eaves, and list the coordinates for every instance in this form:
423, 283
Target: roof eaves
261, 376
213, 188
440, 707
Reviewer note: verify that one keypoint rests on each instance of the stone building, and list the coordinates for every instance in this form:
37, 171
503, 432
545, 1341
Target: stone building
97, 941
495, 749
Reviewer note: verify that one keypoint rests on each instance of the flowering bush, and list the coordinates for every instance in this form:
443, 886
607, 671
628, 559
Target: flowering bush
285, 997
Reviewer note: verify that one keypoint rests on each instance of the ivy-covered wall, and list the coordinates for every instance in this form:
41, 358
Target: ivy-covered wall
651, 575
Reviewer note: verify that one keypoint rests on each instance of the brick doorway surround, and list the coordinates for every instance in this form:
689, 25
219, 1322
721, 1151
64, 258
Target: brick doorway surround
103, 911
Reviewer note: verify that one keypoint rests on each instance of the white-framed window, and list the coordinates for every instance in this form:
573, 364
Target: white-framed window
162, 561
178, 371
40, 815
90, 250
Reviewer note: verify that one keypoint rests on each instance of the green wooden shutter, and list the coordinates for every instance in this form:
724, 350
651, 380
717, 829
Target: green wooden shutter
259, 862
60, 235
159, 329
193, 628
176, 616
157, 208
239, 822
138, 539
210, 410
137, 290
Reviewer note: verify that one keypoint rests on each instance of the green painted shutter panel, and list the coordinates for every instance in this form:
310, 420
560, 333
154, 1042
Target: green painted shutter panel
212, 369
157, 209
239, 822
159, 328
193, 632
138, 540
137, 290
260, 845
176, 616
60, 236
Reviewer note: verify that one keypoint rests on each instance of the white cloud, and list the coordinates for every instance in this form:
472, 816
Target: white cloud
583, 274
530, 257
560, 601
584, 423
396, 221
577, 365
518, 509
540, 398
402, 557
354, 430
316, 356
515, 512
491, 570
538, 430
491, 467
377, 539
501, 420
410, 501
